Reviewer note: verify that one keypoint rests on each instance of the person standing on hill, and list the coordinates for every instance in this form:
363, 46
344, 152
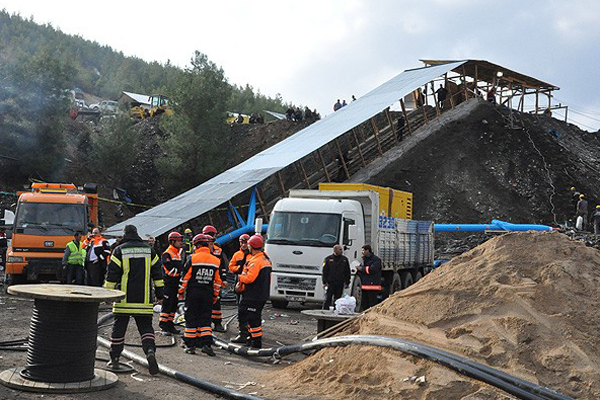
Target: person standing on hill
596, 220
369, 273
441, 93
582, 210
337, 105
336, 275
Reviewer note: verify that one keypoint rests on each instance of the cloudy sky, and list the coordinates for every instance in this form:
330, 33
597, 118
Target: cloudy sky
315, 51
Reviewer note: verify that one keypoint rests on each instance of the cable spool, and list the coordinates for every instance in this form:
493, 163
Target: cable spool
62, 340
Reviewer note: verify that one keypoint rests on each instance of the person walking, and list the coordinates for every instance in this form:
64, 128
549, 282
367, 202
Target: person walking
369, 273
217, 314
73, 260
253, 286
336, 276
200, 287
134, 267
172, 264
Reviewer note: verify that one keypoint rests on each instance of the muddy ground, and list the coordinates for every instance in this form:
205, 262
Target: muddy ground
280, 327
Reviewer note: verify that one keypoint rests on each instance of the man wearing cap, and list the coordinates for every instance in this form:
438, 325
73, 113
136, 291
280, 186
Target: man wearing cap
253, 285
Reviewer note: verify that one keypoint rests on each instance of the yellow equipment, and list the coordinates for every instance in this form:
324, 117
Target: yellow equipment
159, 104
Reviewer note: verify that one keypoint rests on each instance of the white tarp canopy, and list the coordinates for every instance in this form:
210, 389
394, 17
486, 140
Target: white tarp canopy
228, 184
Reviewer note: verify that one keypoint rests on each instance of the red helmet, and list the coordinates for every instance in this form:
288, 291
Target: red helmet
244, 237
175, 236
201, 238
209, 230
256, 242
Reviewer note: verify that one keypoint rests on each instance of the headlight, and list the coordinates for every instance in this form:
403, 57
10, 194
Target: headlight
15, 259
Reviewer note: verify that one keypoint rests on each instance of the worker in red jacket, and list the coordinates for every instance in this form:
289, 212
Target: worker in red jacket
200, 287
217, 314
253, 285
172, 261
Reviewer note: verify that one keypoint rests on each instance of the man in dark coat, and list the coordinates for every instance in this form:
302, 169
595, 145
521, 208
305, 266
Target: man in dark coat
369, 273
336, 275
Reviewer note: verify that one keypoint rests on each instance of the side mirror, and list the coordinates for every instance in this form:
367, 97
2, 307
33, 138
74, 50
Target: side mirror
352, 232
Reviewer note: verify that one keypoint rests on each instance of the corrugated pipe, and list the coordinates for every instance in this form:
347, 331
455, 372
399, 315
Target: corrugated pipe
496, 225
501, 380
190, 380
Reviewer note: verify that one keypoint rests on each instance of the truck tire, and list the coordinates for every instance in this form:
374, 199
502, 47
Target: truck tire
407, 279
281, 304
12, 279
396, 284
418, 276
357, 293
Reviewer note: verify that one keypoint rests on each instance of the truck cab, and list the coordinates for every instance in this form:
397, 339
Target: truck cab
302, 232
45, 221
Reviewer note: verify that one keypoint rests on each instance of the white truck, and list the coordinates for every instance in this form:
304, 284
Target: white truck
304, 227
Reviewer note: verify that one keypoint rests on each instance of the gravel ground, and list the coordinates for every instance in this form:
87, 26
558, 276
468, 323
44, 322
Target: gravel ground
280, 327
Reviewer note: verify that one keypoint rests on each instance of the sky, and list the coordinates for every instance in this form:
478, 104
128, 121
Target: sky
313, 52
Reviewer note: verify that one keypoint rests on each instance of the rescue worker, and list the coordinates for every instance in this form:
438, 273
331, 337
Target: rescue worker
73, 260
128, 271
369, 273
253, 285
596, 220
97, 252
172, 264
336, 275
217, 314
200, 287
582, 210
187, 241
236, 265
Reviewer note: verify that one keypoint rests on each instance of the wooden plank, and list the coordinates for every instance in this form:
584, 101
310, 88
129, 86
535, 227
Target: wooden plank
303, 172
407, 122
476, 77
376, 133
389, 118
281, 185
323, 165
342, 158
464, 75
262, 205
360, 153
523, 99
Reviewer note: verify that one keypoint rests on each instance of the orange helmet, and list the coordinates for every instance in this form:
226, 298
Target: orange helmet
175, 236
256, 242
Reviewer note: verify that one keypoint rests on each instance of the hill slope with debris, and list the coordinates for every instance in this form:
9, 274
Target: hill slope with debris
484, 167
524, 303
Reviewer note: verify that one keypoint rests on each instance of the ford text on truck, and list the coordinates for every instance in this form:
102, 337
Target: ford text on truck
305, 226
46, 218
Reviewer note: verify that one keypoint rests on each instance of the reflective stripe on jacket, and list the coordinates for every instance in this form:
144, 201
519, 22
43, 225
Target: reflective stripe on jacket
201, 273
172, 262
256, 278
76, 253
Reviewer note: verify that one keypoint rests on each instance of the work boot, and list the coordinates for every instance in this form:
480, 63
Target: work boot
152, 364
256, 343
168, 328
189, 350
219, 327
207, 349
113, 363
240, 339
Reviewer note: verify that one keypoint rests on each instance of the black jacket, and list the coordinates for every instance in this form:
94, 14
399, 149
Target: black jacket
370, 275
336, 270
133, 267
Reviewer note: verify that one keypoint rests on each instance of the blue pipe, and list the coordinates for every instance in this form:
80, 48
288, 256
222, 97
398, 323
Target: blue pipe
237, 233
494, 226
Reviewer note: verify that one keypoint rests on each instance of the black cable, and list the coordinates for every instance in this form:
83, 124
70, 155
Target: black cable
62, 341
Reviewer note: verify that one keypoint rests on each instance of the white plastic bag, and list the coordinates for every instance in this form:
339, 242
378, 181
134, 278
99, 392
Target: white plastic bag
345, 305
579, 223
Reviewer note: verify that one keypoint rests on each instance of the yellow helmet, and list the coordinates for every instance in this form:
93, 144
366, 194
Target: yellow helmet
187, 231
581, 196
598, 206
572, 188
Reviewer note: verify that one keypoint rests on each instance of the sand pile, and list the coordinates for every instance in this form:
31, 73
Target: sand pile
525, 303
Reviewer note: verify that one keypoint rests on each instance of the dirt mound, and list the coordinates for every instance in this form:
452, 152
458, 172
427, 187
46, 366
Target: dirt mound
525, 303
489, 165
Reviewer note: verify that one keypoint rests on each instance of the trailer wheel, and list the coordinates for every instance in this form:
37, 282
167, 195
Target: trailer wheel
281, 304
396, 285
357, 293
407, 279
418, 276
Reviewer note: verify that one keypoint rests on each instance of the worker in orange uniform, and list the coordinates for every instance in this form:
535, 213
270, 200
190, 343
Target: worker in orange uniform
200, 286
253, 285
172, 261
217, 314
236, 265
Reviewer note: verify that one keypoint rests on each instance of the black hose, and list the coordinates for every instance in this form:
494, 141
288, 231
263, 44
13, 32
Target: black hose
515, 386
62, 341
200, 384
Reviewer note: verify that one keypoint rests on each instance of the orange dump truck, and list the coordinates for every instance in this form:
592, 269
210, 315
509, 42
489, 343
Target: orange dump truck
46, 219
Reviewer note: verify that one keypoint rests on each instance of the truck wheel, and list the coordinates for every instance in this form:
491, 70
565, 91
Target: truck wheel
357, 293
12, 279
407, 279
418, 276
282, 304
396, 284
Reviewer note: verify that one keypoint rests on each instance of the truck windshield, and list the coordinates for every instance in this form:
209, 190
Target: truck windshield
50, 219
304, 229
